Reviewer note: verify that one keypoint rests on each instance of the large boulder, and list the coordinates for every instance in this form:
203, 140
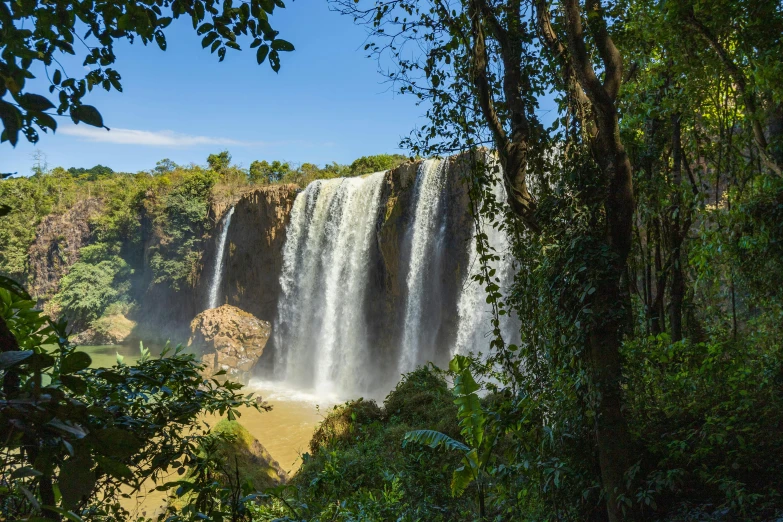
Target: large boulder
229, 339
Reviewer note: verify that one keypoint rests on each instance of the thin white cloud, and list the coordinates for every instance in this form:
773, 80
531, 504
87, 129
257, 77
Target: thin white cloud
162, 138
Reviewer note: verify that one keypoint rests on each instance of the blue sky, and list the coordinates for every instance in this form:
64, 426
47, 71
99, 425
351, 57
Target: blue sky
328, 103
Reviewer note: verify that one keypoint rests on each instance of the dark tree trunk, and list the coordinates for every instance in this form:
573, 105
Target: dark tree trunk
8, 343
658, 308
605, 335
679, 229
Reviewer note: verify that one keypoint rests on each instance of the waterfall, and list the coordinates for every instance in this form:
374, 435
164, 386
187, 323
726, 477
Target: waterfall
424, 252
217, 274
324, 281
370, 281
475, 315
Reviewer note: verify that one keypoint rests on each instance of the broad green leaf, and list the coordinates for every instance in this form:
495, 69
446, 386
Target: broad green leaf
74, 383
114, 468
261, 53
70, 515
76, 480
434, 439
75, 361
87, 114
282, 45
36, 102
25, 471
11, 359
73, 429
465, 474
116, 442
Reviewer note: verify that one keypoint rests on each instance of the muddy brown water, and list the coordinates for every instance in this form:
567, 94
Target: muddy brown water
285, 431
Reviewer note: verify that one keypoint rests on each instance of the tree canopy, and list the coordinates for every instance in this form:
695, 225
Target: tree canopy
36, 34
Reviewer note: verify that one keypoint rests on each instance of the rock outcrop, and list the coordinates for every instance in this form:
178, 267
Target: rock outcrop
254, 256
253, 461
110, 329
58, 239
229, 339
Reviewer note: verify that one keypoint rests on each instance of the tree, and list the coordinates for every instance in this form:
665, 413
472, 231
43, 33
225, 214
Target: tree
73, 443
219, 162
36, 34
91, 174
484, 64
476, 428
376, 163
164, 166
265, 172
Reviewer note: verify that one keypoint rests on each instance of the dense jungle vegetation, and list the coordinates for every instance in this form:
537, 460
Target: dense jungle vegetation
647, 218
173, 200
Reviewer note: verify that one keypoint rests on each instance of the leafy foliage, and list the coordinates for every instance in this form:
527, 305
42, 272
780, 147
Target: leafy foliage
74, 435
52, 30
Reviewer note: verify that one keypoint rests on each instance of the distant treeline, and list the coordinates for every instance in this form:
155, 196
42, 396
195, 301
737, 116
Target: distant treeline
172, 201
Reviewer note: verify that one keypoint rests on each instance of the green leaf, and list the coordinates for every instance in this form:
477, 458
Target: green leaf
12, 121
282, 45
11, 359
36, 102
70, 515
208, 39
116, 442
74, 383
433, 439
114, 468
274, 60
39, 361
87, 114
26, 471
75, 361
15, 288
73, 429
268, 6
76, 480
261, 53
463, 476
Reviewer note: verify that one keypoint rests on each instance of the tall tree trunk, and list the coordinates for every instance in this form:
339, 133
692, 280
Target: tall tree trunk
605, 336
679, 230
658, 308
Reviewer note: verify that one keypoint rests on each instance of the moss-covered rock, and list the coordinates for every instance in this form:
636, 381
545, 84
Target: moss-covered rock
241, 450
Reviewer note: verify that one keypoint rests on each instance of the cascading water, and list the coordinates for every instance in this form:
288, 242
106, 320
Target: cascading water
375, 280
320, 324
424, 252
217, 274
475, 315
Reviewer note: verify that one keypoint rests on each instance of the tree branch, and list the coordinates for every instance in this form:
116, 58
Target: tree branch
613, 62
738, 77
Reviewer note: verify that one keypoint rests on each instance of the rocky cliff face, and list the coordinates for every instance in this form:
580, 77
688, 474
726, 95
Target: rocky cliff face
388, 296
251, 279
59, 237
